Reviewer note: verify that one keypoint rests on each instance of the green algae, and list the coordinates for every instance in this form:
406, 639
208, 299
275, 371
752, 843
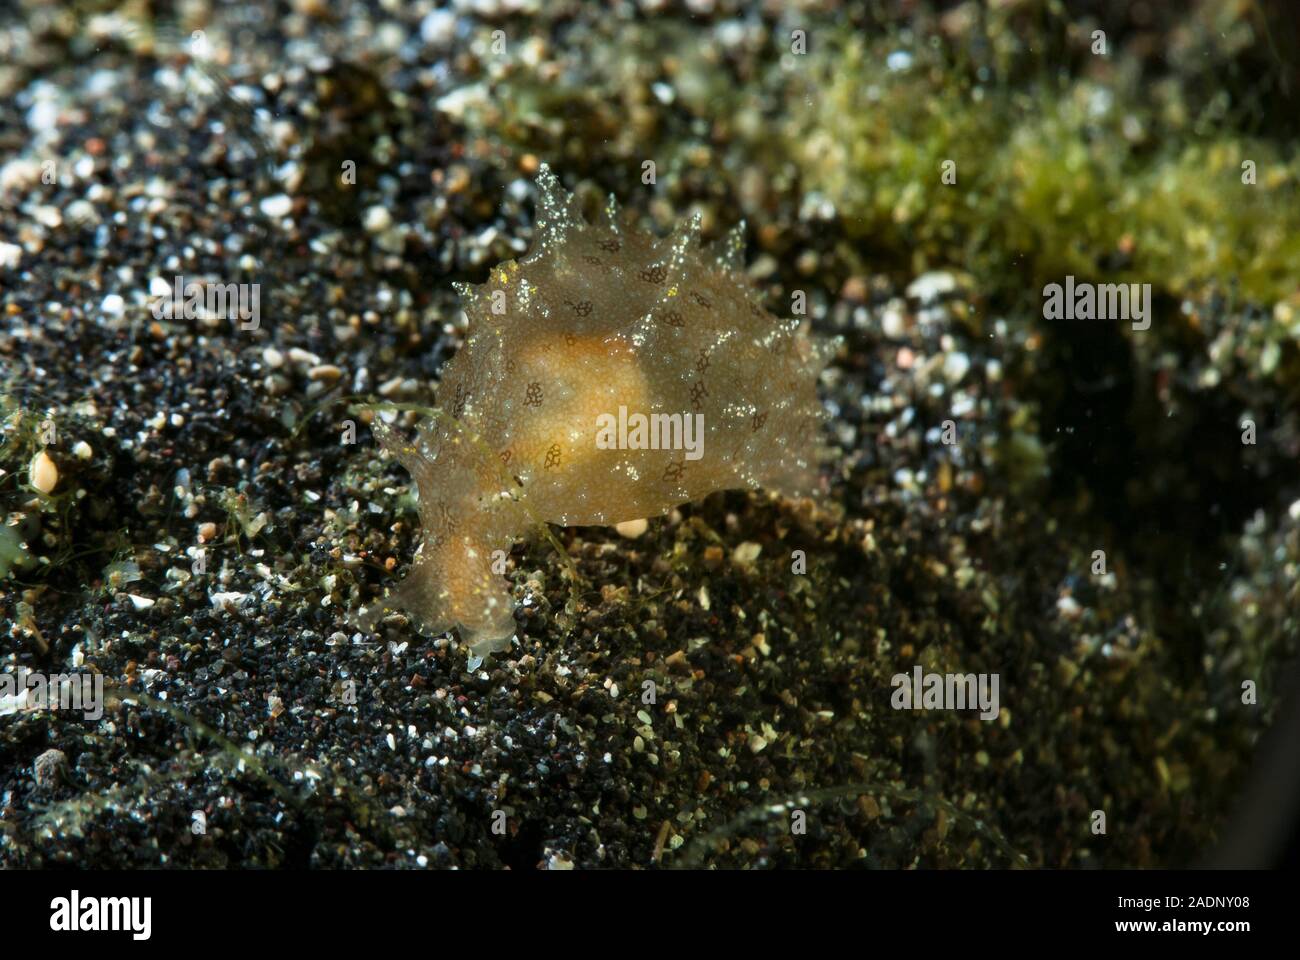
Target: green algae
1058, 179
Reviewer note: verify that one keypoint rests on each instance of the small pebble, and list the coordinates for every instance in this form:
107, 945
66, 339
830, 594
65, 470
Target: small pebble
44, 475
929, 287
49, 766
378, 219
48, 217
277, 206
955, 366
326, 373
632, 528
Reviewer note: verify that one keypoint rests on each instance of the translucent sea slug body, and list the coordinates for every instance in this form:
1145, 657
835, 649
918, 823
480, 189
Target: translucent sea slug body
597, 320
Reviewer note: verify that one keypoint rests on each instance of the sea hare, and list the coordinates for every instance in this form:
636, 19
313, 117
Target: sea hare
608, 375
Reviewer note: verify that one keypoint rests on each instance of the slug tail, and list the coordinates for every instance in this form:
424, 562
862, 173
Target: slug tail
456, 580
454, 584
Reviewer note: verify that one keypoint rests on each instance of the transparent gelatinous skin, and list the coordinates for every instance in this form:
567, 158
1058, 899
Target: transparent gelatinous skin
596, 317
